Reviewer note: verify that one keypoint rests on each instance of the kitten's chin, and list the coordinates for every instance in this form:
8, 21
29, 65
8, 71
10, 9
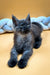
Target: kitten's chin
25, 32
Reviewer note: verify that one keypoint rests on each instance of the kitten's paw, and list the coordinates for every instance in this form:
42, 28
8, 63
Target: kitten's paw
37, 45
22, 63
12, 63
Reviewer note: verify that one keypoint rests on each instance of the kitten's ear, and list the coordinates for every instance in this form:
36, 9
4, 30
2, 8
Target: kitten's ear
28, 18
15, 21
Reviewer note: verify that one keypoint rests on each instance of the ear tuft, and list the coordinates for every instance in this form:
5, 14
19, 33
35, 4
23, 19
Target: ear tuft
28, 18
15, 20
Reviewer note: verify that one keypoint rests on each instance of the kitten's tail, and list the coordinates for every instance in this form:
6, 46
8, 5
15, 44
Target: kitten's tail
39, 25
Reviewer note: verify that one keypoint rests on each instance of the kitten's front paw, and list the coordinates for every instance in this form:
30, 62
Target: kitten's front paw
22, 63
37, 45
12, 63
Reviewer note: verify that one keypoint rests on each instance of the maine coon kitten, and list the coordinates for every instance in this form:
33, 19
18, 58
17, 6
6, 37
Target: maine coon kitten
26, 37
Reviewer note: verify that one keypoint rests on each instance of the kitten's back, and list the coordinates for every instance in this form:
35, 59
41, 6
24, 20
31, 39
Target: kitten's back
36, 29
36, 24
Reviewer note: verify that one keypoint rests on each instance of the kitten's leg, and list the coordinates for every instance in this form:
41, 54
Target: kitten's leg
13, 58
24, 59
37, 42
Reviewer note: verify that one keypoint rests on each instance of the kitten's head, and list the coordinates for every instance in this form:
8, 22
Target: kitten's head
22, 26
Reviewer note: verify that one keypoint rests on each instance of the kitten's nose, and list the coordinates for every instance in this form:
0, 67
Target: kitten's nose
24, 28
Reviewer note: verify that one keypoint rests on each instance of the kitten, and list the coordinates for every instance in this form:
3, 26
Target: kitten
26, 37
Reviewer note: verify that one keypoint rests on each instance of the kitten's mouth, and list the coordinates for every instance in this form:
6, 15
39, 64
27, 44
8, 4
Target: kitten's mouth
25, 31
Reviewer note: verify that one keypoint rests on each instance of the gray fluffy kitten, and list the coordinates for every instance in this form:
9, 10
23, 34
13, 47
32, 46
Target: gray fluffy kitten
27, 36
